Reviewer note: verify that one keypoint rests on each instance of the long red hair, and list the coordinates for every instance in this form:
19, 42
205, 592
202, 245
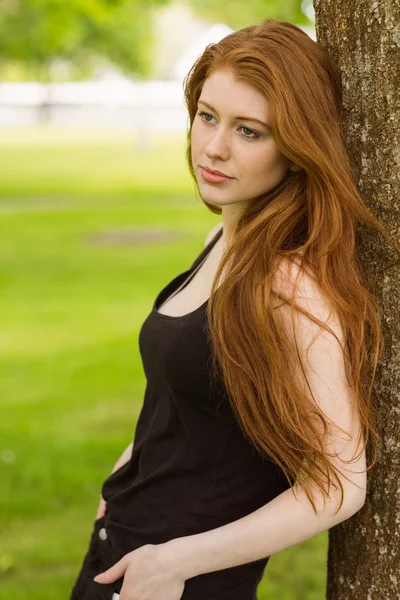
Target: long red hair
312, 214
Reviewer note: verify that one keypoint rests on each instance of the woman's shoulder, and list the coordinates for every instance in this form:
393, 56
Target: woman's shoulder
212, 233
296, 279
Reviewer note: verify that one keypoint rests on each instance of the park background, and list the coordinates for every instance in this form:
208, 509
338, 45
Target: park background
98, 213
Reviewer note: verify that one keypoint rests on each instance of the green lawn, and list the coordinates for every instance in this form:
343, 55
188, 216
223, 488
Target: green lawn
75, 290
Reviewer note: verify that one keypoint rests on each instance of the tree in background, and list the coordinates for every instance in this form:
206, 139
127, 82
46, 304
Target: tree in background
37, 33
364, 39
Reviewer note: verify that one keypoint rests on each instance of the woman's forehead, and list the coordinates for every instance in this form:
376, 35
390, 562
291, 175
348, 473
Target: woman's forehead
224, 93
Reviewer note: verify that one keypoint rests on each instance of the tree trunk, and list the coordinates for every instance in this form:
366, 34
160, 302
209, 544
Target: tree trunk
364, 39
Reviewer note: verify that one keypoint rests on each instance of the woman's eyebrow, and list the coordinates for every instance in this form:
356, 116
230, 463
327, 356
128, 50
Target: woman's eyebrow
236, 118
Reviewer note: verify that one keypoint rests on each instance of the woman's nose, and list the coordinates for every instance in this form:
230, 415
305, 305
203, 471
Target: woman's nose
218, 146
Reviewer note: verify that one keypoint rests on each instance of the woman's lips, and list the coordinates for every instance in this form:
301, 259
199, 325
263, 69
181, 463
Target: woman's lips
212, 177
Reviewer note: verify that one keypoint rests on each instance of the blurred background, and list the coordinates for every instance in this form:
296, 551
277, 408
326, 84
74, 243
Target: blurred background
98, 213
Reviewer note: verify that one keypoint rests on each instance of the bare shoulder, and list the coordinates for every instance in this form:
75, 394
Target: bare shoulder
290, 280
299, 282
212, 233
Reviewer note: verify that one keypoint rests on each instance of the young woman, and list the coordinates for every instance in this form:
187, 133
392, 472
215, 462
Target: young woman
260, 357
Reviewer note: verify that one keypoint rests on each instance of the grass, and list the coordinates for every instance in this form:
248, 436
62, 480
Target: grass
71, 307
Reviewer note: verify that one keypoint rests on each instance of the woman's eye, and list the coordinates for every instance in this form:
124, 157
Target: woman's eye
253, 135
201, 114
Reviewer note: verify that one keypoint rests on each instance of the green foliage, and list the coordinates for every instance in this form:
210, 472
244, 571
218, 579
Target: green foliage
85, 33
241, 14
37, 32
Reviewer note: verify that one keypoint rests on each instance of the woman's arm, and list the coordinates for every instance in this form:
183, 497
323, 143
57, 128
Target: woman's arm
283, 522
125, 456
289, 519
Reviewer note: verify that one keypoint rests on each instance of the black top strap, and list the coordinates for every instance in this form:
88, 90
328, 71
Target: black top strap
207, 249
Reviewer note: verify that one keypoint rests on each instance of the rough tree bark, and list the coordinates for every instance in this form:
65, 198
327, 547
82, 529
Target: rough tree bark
363, 36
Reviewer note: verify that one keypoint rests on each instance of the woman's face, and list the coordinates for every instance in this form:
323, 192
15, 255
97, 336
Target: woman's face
225, 138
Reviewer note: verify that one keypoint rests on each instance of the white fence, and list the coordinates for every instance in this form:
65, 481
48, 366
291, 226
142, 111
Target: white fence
115, 102
155, 105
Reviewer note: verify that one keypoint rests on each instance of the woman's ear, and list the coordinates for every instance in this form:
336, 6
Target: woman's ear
294, 167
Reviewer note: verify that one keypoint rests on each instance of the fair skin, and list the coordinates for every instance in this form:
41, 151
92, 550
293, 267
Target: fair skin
158, 571
243, 149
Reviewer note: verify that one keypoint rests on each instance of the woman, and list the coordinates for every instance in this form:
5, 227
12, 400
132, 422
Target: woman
260, 358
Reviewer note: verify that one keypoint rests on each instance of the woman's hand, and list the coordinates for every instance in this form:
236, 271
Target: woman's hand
148, 573
102, 508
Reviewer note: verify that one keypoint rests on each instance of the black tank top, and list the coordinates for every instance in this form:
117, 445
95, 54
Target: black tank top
191, 469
